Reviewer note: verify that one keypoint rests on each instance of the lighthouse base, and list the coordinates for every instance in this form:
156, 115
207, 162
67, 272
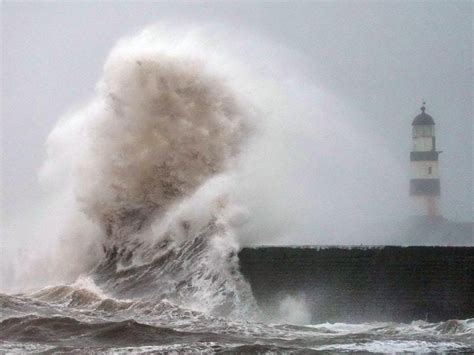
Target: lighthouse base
436, 230
425, 206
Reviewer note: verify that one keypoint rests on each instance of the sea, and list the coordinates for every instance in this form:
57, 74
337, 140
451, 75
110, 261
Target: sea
186, 298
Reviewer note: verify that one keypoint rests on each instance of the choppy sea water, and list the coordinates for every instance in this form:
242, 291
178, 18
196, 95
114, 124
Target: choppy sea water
76, 319
183, 300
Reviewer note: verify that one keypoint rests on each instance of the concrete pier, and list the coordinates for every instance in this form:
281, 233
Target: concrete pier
360, 284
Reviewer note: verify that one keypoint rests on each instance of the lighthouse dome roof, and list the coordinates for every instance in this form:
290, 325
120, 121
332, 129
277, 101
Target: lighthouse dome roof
423, 118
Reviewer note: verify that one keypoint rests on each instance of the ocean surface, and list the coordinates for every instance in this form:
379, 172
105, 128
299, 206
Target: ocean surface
185, 299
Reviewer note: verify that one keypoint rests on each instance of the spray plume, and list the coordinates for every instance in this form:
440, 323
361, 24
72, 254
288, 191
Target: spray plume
182, 132
163, 126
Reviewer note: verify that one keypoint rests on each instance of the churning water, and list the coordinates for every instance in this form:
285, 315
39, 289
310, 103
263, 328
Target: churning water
152, 196
188, 299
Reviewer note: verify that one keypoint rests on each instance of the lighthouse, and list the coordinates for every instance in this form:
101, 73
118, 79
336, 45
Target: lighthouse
424, 168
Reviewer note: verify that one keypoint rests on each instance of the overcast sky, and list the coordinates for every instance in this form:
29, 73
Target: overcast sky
381, 58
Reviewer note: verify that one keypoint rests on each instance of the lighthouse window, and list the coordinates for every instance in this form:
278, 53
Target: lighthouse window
423, 131
429, 170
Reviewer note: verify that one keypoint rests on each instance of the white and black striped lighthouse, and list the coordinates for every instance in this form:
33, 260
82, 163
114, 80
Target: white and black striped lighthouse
424, 169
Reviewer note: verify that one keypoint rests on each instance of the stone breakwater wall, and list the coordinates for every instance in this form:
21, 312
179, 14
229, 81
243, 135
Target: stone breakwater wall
360, 284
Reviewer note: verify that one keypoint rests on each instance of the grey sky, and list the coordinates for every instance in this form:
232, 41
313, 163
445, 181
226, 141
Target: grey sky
380, 57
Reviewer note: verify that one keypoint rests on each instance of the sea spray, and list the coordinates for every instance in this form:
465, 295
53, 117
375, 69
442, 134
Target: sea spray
160, 137
163, 125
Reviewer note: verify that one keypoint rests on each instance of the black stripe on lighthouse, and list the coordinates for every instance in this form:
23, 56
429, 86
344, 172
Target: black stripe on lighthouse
424, 187
424, 156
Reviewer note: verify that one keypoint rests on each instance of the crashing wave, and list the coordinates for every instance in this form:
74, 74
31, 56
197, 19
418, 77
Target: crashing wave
200, 273
163, 125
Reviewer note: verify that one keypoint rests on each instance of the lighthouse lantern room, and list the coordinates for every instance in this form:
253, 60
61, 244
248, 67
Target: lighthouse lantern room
424, 173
